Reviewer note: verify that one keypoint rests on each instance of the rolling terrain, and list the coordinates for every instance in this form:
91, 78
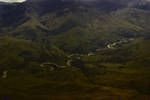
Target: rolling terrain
75, 50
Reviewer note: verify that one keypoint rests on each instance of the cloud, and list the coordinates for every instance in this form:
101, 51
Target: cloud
12, 1
19, 1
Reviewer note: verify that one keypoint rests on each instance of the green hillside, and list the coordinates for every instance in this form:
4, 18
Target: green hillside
60, 50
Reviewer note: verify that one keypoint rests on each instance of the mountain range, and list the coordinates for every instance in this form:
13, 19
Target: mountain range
75, 49
58, 18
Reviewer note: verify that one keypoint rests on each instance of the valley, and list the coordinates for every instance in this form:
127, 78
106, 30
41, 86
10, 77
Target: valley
69, 50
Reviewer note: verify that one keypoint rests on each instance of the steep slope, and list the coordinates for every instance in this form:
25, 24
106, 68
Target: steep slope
12, 14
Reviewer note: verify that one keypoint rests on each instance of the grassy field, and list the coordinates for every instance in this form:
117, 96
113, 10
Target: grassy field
109, 82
